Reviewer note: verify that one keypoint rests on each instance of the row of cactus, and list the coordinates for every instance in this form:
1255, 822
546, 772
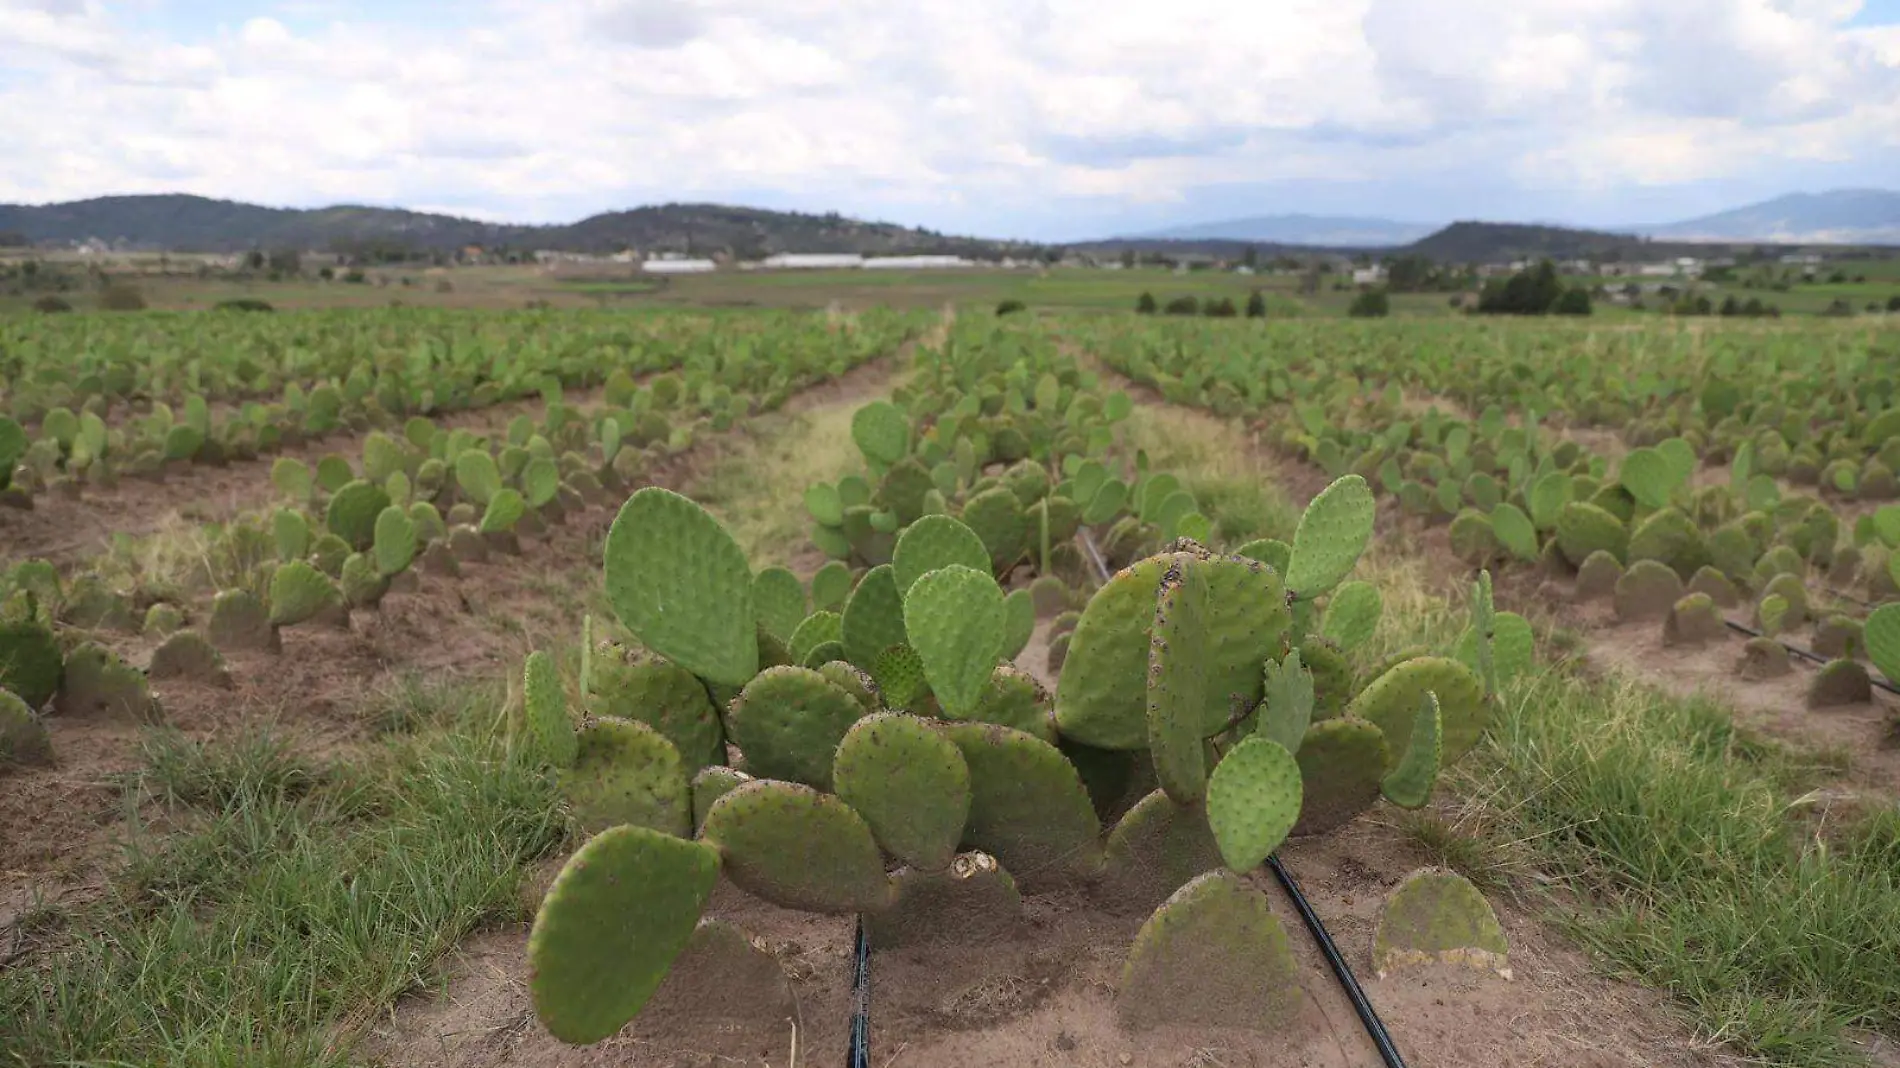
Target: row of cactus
93, 424
1516, 490
887, 760
45, 665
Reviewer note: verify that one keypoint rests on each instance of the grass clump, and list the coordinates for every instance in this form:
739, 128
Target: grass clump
294, 900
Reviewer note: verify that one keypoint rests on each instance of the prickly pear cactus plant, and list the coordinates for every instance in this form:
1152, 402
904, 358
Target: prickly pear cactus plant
682, 586
1332, 535
955, 619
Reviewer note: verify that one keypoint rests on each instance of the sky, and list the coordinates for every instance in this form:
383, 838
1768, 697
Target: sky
1038, 119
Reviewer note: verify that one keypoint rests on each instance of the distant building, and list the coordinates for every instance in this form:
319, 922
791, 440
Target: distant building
915, 263
679, 266
808, 261
1368, 276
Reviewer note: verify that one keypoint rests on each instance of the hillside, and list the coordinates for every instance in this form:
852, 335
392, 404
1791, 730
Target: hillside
1841, 216
183, 223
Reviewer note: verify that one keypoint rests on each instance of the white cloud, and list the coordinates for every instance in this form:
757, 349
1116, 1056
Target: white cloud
529, 108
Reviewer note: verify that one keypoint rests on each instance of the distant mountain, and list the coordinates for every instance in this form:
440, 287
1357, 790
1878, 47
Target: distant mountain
183, 223
1841, 216
1326, 231
1484, 242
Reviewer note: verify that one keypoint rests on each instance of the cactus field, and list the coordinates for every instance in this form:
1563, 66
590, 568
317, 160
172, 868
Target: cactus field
561, 688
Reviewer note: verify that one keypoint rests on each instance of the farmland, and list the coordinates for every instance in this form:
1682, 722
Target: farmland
478, 684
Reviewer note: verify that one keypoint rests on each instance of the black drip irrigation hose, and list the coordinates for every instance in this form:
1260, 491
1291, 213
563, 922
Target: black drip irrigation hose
858, 1055
1368, 1016
1809, 655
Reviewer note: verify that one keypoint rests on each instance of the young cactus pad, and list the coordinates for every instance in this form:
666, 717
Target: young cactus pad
1028, 807
933, 542
1410, 784
1342, 763
550, 732
1213, 955
1253, 800
627, 772
1437, 916
621, 910
873, 618
909, 783
1101, 696
680, 583
1882, 637
1391, 702
1331, 536
955, 619
788, 721
798, 848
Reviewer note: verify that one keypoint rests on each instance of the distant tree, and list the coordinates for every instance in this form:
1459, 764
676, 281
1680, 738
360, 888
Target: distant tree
255, 261
326, 273
1752, 308
1839, 309
1533, 291
1010, 307
1370, 304
1257, 305
1183, 306
1730, 306
1893, 303
1574, 301
1250, 258
286, 262
1128, 258
1145, 304
1219, 309
120, 296
14, 239
1410, 274
52, 305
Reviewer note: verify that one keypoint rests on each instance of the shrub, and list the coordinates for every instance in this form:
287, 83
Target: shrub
1183, 306
1893, 303
1257, 305
1370, 304
52, 305
1009, 307
244, 304
121, 297
1219, 309
1145, 305
1575, 301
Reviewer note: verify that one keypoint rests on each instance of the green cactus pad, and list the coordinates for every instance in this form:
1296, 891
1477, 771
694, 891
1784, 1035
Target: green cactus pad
506, 509
1409, 785
909, 783
820, 628
1881, 633
1332, 534
1155, 849
1694, 620
291, 533
240, 621
933, 542
1342, 764
788, 721
881, 432
664, 696
1649, 477
352, 513
1764, 658
1287, 702
779, 600
1647, 591
1253, 800
798, 848
682, 586
1514, 530
23, 738
1391, 702
899, 673
1671, 538
1438, 917
30, 662
298, 592
1178, 681
187, 655
1269, 551
1213, 955
291, 478
1584, 528
1013, 698
955, 618
549, 730
974, 902
873, 619
620, 912
627, 772
853, 680
1838, 683
1332, 675
361, 584
394, 541
98, 683
1019, 623
712, 783
477, 476
998, 519
830, 587
1028, 807
1598, 576
1352, 614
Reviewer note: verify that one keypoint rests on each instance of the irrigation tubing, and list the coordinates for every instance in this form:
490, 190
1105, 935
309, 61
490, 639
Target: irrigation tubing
1368, 1016
1809, 655
858, 1055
